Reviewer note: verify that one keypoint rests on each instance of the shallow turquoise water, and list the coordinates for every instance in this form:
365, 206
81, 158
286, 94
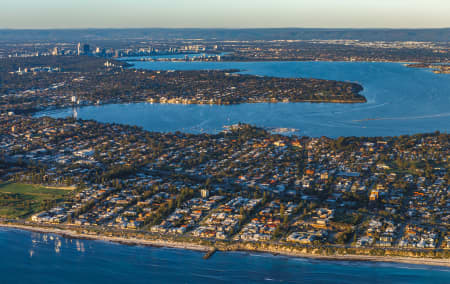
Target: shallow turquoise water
400, 101
46, 258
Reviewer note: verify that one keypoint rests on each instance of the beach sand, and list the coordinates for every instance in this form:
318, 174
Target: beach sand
189, 246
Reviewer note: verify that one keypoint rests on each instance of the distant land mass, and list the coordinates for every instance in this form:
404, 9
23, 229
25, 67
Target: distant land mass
435, 35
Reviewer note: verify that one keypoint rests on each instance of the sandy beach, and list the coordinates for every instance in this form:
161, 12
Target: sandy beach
189, 246
394, 259
125, 241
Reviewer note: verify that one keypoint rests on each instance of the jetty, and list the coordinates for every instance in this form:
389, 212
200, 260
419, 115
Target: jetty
209, 253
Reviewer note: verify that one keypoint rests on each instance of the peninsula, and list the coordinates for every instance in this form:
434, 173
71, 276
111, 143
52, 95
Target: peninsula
436, 68
37, 83
241, 189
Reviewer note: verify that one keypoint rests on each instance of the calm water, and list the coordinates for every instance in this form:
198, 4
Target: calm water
30, 257
400, 101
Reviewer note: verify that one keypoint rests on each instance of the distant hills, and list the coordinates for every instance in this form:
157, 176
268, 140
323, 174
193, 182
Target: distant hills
435, 35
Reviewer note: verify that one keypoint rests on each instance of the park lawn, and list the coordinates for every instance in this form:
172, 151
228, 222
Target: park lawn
22, 200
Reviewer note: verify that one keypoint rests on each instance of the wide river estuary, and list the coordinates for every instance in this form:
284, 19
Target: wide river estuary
401, 100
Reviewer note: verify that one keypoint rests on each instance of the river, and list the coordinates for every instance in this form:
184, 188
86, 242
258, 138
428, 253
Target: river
401, 100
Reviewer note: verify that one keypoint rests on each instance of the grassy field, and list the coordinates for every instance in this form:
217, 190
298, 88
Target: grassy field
22, 200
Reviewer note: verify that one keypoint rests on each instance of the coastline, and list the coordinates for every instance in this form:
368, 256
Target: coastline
119, 240
363, 258
205, 248
38, 112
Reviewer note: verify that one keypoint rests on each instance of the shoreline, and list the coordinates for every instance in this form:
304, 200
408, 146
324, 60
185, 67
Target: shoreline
42, 112
442, 262
364, 258
119, 240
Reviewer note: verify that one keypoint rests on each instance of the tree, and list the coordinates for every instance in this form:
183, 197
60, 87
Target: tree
282, 210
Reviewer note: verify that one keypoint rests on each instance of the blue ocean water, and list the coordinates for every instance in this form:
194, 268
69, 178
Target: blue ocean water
28, 257
401, 100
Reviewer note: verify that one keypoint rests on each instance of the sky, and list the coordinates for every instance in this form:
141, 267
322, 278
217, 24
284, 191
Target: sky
224, 13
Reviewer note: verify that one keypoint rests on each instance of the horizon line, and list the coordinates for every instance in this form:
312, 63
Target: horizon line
228, 28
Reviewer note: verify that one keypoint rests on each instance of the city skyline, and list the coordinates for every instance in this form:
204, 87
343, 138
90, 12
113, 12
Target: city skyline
50, 14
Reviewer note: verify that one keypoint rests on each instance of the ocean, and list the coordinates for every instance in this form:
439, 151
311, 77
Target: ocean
29, 257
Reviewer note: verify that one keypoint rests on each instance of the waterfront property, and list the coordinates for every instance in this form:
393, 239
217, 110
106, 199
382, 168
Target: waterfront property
243, 185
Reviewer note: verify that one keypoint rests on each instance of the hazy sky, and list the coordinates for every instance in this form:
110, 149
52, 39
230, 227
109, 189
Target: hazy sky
224, 13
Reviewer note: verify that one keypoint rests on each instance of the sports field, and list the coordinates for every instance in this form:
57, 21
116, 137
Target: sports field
22, 200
